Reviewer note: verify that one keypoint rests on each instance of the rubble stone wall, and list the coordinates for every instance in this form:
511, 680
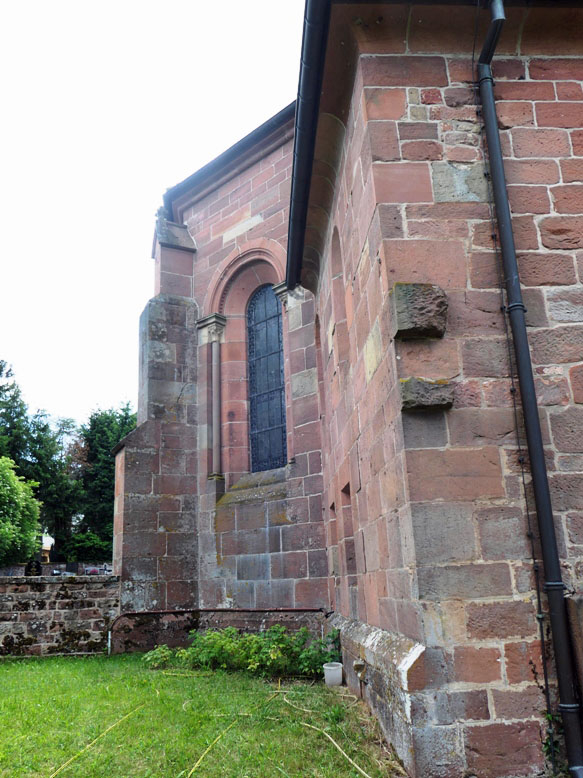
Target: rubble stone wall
43, 615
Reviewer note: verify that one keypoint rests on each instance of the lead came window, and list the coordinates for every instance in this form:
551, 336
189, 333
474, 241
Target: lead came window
266, 382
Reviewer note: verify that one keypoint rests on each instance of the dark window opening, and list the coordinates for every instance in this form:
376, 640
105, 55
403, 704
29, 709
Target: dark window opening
266, 381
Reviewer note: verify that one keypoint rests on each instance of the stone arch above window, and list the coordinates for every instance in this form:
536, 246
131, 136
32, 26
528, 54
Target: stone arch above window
244, 269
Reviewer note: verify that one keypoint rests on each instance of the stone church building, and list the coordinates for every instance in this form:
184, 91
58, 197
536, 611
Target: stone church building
336, 399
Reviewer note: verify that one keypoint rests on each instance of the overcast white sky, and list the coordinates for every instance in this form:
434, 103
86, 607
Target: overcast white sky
105, 106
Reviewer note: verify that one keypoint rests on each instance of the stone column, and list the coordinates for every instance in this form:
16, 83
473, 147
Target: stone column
211, 331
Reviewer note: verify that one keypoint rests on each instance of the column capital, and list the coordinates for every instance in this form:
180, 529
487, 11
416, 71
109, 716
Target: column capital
212, 327
280, 291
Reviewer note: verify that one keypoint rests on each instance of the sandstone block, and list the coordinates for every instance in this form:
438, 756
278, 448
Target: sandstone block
501, 620
576, 378
420, 310
454, 474
502, 533
476, 665
398, 182
559, 114
540, 143
566, 305
404, 71
567, 428
252, 567
562, 232
385, 103
422, 393
443, 532
471, 581
558, 345
424, 430
523, 704
566, 491
503, 750
437, 752
458, 183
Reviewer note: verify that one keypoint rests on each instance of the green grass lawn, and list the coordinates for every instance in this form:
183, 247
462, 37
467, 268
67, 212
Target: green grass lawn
52, 709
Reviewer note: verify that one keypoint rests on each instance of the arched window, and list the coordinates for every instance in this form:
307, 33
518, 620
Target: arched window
266, 381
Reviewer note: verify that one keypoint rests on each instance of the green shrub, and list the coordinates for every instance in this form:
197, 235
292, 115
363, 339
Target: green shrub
274, 652
19, 512
159, 657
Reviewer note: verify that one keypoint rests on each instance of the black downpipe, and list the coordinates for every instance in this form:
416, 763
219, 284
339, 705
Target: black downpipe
554, 587
316, 22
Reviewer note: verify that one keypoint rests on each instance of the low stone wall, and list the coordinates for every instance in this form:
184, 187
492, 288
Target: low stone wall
43, 615
381, 667
143, 631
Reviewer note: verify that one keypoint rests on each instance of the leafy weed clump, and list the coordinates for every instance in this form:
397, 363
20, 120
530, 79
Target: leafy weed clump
272, 653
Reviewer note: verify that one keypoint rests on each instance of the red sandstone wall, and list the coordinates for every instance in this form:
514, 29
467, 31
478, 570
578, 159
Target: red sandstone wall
190, 530
432, 502
261, 537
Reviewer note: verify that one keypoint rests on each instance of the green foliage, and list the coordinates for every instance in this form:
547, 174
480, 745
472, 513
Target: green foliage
335, 714
14, 428
87, 546
274, 652
97, 438
19, 515
159, 657
40, 449
73, 469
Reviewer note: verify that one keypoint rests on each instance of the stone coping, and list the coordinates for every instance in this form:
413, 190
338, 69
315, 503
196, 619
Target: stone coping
47, 579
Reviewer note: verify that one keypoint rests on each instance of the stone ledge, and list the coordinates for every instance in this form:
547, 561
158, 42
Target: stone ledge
418, 394
384, 660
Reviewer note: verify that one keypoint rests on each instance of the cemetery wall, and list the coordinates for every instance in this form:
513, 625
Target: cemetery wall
43, 615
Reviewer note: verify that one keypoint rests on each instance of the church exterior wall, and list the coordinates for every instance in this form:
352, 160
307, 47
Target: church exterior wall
401, 505
193, 527
427, 532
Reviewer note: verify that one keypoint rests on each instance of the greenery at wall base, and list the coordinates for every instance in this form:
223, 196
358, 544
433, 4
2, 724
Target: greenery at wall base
269, 654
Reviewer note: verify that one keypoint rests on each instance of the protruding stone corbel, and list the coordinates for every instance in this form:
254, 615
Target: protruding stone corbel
424, 394
420, 310
211, 330
171, 235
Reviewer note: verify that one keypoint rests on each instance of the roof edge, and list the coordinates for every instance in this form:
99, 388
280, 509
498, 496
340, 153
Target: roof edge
231, 154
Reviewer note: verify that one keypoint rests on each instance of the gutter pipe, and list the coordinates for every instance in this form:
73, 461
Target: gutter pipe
316, 22
569, 706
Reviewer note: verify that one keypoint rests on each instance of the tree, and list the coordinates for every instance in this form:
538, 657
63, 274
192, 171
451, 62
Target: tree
19, 515
93, 537
40, 449
14, 425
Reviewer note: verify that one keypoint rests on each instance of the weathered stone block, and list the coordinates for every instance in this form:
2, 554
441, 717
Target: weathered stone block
501, 750
466, 581
458, 183
252, 567
420, 310
422, 393
443, 532
425, 430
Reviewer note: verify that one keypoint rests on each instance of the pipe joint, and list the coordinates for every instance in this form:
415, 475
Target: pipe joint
554, 585
573, 707
518, 306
